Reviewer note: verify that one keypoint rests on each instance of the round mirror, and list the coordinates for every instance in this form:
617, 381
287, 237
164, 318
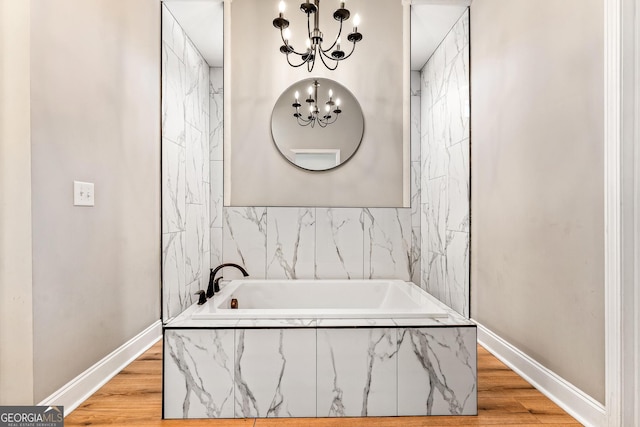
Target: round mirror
317, 124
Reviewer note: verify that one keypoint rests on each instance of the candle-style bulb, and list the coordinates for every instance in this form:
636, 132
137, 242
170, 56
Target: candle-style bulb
356, 20
330, 93
327, 108
341, 5
308, 43
297, 95
310, 90
281, 7
338, 102
287, 35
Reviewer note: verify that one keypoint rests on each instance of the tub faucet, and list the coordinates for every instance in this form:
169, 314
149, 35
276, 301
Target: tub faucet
213, 284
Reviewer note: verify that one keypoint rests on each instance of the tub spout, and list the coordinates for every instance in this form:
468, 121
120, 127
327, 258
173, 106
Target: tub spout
213, 284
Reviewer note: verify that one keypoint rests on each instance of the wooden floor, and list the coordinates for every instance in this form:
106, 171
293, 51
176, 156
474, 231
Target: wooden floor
134, 398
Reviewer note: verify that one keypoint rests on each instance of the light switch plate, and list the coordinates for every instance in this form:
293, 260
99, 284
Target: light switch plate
83, 193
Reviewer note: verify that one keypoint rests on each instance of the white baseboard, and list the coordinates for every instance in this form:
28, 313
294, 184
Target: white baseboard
574, 401
76, 391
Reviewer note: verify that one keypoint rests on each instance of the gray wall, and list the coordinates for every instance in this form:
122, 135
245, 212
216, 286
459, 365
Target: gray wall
260, 176
95, 117
16, 327
537, 184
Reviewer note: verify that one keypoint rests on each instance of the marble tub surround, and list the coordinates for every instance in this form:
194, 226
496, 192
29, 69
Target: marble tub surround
186, 187
310, 371
445, 172
320, 243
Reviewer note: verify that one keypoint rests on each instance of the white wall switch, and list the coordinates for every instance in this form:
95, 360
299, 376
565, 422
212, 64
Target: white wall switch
83, 194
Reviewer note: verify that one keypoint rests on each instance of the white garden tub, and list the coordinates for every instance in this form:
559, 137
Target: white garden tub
321, 299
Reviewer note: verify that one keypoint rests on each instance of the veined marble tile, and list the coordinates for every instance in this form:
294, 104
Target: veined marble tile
437, 371
415, 194
387, 243
205, 269
357, 372
172, 96
434, 272
217, 191
216, 247
244, 240
339, 243
458, 191
275, 373
291, 243
173, 187
415, 126
414, 266
435, 214
457, 102
198, 373
194, 242
194, 165
172, 33
355, 323
457, 273
216, 108
206, 209
173, 274
434, 153
195, 67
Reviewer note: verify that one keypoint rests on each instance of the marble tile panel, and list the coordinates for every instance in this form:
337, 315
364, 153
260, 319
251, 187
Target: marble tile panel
357, 372
275, 373
195, 66
291, 243
387, 243
415, 127
173, 97
458, 191
206, 209
415, 256
457, 272
276, 323
244, 240
434, 272
437, 371
194, 242
355, 323
198, 373
173, 274
339, 243
203, 281
194, 165
173, 187
216, 247
172, 33
435, 214
415, 194
217, 190
216, 106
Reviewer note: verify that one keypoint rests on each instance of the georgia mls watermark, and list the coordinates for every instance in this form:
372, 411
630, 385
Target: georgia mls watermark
31, 416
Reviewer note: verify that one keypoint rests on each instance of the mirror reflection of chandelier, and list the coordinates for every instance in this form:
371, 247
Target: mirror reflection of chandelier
323, 118
330, 56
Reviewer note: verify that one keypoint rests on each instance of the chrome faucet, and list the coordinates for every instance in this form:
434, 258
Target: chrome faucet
214, 284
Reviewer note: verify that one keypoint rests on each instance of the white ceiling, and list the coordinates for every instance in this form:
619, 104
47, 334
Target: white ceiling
202, 20
431, 20
430, 23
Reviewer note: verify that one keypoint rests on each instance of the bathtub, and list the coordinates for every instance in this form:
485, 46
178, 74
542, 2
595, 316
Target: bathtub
320, 299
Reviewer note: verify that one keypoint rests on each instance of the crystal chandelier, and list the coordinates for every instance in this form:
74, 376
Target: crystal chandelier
314, 115
330, 56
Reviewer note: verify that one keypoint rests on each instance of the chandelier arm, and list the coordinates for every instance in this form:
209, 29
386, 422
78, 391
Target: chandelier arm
335, 42
294, 65
311, 63
326, 65
350, 53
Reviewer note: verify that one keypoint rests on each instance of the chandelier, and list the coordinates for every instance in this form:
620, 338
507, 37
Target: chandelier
330, 56
314, 115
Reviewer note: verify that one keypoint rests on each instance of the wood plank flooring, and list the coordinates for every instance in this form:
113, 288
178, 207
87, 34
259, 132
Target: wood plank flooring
134, 398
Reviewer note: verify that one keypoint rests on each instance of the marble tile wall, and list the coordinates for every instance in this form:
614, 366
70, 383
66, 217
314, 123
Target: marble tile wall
320, 372
185, 169
445, 173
